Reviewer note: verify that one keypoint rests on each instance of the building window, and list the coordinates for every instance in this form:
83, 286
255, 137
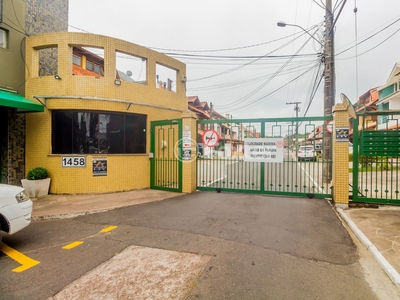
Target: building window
3, 38
89, 65
77, 60
87, 132
382, 119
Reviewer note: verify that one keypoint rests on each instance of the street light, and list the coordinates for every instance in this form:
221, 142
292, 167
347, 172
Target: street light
283, 24
329, 75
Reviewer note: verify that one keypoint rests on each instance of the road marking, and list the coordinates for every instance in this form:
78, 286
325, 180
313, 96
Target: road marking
109, 228
72, 245
24, 260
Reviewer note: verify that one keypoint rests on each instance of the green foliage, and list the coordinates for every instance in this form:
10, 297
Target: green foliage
350, 156
37, 173
366, 161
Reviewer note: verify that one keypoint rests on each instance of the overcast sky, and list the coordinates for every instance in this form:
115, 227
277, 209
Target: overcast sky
241, 60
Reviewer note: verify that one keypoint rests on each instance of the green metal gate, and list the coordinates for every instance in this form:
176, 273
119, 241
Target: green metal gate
223, 166
375, 176
165, 155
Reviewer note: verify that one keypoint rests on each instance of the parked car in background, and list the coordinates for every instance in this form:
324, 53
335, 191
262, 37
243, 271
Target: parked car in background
306, 153
15, 209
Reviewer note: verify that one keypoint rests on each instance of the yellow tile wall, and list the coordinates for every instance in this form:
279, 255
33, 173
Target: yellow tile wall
125, 172
340, 158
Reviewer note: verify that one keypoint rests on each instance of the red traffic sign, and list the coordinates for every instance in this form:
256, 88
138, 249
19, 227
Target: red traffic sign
210, 138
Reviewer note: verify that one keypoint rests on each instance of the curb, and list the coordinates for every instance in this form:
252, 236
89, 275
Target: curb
67, 215
389, 270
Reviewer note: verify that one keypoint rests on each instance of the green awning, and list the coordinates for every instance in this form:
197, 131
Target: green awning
22, 104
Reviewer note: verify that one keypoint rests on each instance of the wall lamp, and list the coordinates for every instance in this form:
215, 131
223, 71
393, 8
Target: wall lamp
57, 77
283, 24
117, 82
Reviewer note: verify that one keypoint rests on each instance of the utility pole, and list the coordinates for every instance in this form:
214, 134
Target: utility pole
329, 86
296, 108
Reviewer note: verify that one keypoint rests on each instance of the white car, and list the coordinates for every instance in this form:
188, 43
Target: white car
15, 209
306, 153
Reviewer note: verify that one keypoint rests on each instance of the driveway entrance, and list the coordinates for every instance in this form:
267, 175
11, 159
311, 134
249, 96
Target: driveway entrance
223, 166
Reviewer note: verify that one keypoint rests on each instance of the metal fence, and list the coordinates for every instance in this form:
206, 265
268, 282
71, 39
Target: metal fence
375, 176
224, 166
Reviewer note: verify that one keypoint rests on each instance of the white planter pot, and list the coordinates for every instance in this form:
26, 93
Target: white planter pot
36, 188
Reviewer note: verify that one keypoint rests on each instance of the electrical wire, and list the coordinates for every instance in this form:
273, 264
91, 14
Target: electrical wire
274, 91
16, 17
244, 81
369, 37
223, 49
246, 64
17, 30
237, 102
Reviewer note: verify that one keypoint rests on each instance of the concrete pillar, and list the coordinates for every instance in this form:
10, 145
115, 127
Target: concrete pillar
340, 158
189, 165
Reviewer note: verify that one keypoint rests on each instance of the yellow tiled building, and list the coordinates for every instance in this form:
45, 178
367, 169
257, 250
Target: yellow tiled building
102, 118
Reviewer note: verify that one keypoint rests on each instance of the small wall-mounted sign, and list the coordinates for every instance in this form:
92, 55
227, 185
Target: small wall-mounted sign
342, 134
187, 154
100, 167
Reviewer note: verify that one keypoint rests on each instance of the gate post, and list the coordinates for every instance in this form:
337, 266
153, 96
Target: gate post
189, 164
340, 159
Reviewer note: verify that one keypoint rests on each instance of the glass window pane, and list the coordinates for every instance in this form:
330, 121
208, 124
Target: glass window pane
97, 68
3, 38
89, 133
62, 132
116, 133
135, 134
76, 59
89, 65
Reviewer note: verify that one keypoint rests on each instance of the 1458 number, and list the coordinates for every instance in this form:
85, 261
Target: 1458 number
74, 161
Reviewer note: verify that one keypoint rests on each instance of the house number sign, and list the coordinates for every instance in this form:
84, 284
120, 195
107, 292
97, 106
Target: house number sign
74, 161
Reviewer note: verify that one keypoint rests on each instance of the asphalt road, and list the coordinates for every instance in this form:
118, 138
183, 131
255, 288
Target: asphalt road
259, 247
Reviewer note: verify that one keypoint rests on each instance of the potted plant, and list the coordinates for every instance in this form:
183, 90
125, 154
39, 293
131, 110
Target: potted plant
37, 182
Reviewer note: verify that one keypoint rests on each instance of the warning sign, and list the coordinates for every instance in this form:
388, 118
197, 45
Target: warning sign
263, 150
210, 138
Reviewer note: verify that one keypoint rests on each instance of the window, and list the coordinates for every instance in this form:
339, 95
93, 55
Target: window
3, 38
87, 58
76, 60
86, 132
382, 119
131, 68
89, 65
48, 61
165, 78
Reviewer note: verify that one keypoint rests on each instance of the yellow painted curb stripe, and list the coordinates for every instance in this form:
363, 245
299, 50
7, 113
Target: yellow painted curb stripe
72, 245
109, 228
24, 260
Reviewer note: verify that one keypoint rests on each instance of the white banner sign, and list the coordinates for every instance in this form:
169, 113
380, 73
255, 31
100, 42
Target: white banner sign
263, 150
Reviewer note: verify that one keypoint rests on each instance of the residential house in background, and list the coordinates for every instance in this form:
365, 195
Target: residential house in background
389, 98
366, 103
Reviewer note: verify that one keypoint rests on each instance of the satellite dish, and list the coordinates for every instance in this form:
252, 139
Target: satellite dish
129, 73
349, 106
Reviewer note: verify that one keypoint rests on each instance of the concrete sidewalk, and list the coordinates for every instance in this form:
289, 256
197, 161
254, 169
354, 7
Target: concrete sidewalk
377, 228
62, 206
